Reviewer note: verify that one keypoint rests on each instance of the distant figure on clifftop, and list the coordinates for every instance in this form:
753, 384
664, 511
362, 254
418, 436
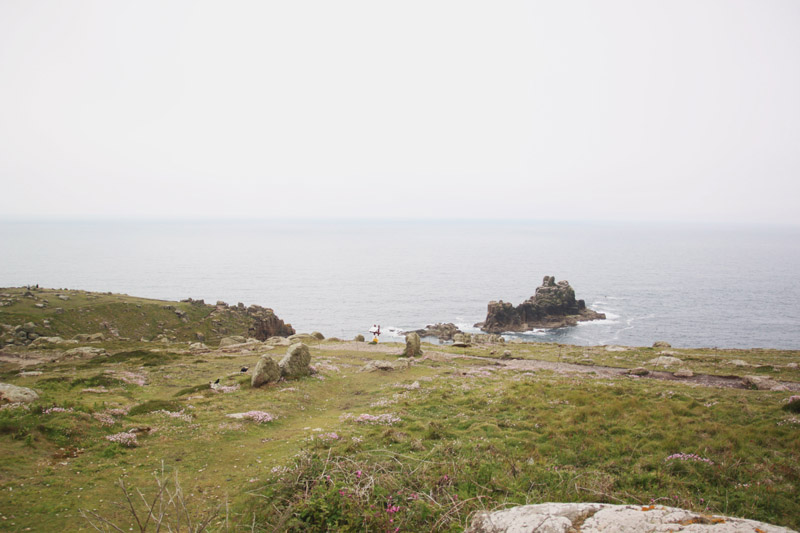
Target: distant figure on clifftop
376, 332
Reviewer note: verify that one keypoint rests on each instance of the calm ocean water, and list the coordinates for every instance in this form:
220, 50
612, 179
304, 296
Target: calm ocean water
707, 286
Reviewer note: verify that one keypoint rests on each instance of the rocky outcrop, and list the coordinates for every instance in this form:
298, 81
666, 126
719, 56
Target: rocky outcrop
443, 332
553, 306
266, 324
608, 518
413, 348
296, 363
266, 371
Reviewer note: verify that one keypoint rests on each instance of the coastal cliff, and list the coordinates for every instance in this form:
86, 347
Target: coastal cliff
552, 306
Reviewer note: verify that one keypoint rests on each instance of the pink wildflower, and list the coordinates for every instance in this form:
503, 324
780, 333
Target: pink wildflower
258, 416
688, 457
51, 410
124, 438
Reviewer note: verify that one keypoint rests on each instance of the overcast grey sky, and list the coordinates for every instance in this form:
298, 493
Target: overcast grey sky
562, 110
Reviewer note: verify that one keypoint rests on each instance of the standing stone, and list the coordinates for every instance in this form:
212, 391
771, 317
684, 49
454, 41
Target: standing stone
412, 345
267, 371
296, 362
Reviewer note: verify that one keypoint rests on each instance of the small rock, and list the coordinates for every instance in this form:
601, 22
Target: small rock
278, 341
762, 383
664, 360
738, 362
683, 373
638, 371
317, 335
199, 336
196, 346
85, 351
230, 341
374, 366
614, 348
662, 344
506, 354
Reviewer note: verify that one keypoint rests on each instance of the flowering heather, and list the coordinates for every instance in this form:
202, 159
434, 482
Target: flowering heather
124, 438
258, 416
104, 418
328, 436
51, 410
794, 398
119, 411
384, 419
689, 457
96, 390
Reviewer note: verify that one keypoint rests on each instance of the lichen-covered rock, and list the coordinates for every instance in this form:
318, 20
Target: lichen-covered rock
47, 340
14, 394
552, 306
85, 351
762, 383
278, 341
413, 348
462, 340
300, 337
296, 362
374, 366
230, 341
198, 346
608, 518
683, 373
266, 371
664, 360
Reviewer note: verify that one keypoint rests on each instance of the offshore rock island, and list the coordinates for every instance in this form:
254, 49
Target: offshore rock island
552, 306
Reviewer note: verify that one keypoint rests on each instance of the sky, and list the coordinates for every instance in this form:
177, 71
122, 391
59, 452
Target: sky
687, 110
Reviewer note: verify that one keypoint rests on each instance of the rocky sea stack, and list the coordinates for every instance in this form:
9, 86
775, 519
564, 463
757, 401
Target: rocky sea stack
553, 306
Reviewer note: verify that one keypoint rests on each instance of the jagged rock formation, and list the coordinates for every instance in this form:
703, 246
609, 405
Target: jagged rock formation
443, 332
266, 324
553, 306
608, 518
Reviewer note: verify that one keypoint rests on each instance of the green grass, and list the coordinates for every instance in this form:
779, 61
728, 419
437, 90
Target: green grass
470, 436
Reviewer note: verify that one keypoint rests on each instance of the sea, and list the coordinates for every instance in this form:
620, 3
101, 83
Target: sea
692, 286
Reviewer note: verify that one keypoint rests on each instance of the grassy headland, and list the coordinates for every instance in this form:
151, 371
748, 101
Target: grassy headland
417, 448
